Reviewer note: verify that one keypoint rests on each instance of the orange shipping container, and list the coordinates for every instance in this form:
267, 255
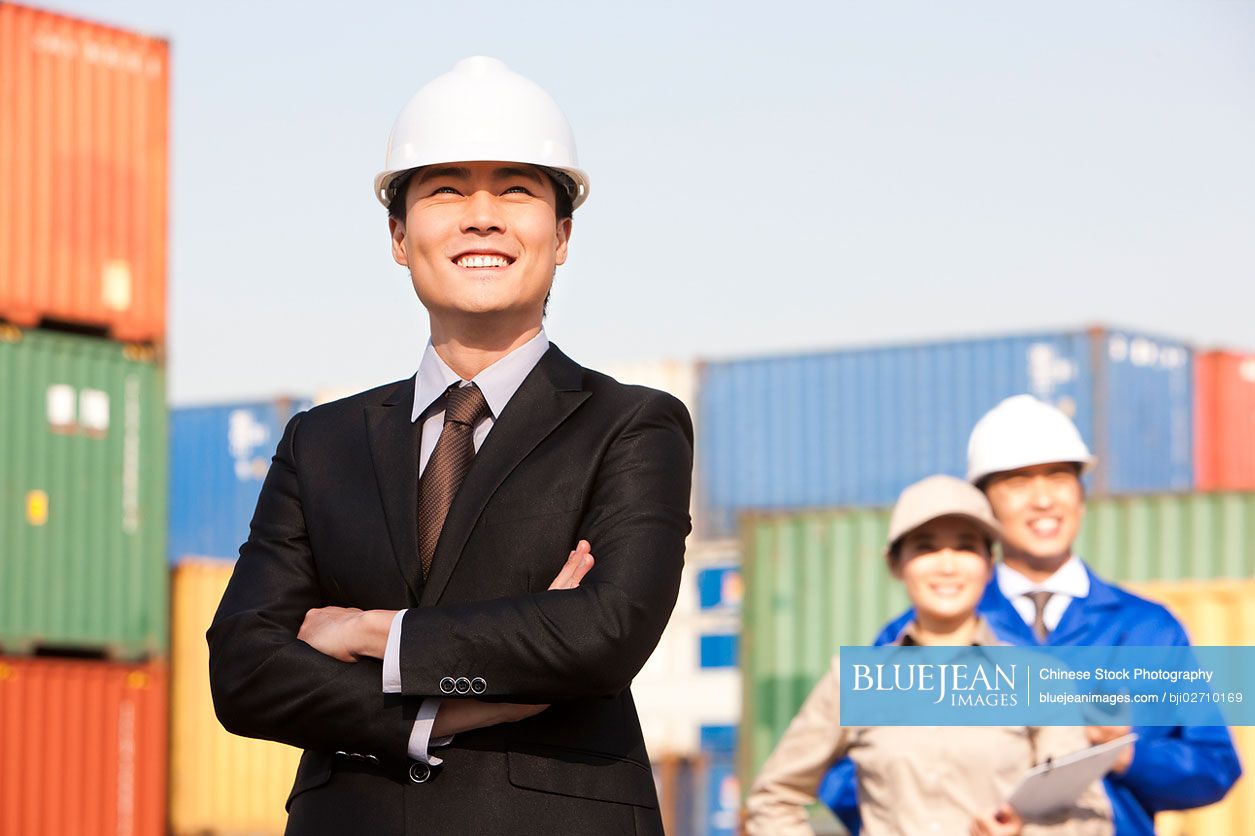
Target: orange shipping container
1224, 421
82, 747
1221, 613
84, 150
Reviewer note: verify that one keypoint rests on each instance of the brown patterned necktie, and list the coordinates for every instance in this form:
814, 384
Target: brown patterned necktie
455, 449
1039, 599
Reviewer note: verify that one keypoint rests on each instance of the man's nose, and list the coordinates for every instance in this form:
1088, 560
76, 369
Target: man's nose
1041, 496
483, 213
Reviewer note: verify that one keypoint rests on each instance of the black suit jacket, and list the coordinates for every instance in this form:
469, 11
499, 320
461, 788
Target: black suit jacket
573, 455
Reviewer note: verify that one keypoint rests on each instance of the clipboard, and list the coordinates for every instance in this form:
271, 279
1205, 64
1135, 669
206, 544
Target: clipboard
1055, 785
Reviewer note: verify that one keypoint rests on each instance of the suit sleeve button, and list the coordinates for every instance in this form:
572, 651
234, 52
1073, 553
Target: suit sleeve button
447, 685
463, 685
419, 772
478, 685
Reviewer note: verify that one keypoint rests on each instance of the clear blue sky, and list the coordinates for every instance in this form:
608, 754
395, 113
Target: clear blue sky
766, 177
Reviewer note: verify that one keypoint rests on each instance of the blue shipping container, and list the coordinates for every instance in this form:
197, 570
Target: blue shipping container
219, 456
718, 650
723, 792
719, 587
854, 427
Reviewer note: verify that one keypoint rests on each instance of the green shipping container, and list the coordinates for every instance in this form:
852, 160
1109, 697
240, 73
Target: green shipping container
82, 496
816, 580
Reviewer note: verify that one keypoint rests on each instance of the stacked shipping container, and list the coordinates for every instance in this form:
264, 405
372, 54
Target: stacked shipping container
84, 150
1224, 417
83, 156
852, 428
219, 783
219, 457
82, 527
84, 747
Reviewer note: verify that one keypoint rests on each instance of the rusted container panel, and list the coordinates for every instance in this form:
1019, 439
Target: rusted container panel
1224, 419
84, 148
219, 782
1215, 612
82, 747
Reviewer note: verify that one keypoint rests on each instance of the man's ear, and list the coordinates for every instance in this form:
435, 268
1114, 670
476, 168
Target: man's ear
564, 237
396, 230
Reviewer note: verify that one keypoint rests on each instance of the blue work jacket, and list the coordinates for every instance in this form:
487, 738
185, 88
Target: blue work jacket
1173, 767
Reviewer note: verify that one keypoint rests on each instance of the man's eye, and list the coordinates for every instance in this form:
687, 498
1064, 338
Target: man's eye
517, 190
445, 190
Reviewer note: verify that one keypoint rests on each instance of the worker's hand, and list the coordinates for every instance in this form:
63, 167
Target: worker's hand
1005, 822
1104, 734
458, 715
578, 564
329, 630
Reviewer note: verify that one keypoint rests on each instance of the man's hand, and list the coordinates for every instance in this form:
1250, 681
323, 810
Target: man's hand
328, 630
462, 715
1005, 822
348, 634
578, 564
1104, 734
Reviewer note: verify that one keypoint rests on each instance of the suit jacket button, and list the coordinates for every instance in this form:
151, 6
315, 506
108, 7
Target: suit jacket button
419, 772
478, 685
447, 685
463, 685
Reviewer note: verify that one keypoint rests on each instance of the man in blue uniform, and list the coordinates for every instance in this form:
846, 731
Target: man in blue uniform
1028, 457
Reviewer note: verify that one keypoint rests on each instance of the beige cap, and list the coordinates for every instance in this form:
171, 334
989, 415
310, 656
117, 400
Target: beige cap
940, 496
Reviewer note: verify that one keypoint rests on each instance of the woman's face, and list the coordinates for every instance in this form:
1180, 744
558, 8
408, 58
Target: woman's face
945, 565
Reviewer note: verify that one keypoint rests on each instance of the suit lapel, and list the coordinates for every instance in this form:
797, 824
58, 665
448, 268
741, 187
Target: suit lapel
394, 446
547, 397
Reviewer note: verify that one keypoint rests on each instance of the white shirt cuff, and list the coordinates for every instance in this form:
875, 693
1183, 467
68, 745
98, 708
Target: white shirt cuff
420, 735
392, 657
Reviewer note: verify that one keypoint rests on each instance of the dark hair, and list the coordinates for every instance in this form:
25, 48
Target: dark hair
563, 189
894, 552
982, 484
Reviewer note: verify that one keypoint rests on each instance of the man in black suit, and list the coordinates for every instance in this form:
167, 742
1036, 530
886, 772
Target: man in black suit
398, 584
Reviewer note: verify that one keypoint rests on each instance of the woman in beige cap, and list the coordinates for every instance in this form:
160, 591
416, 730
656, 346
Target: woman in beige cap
944, 780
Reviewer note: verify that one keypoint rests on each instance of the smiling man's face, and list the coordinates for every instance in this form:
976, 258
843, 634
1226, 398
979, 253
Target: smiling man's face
481, 240
1040, 509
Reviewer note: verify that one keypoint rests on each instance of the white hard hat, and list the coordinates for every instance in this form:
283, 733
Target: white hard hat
481, 110
1021, 432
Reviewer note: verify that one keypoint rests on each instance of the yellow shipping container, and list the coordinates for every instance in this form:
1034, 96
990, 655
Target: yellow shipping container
219, 783
1215, 612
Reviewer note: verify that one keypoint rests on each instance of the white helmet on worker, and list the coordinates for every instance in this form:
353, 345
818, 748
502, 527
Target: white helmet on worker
1023, 431
481, 110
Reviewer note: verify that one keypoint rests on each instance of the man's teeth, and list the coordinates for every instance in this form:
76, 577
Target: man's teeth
947, 589
483, 261
1045, 528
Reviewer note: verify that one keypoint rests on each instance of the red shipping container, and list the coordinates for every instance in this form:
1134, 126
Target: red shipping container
82, 747
84, 153
1224, 421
